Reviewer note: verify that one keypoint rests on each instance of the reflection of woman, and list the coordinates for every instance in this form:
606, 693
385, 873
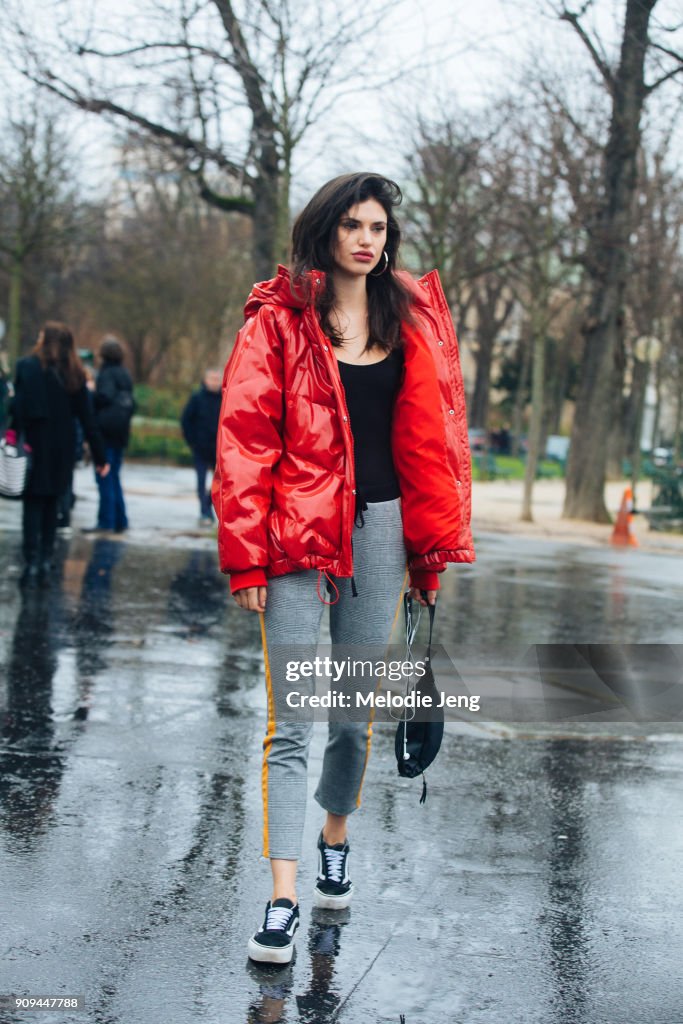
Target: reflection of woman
342, 454
49, 391
29, 785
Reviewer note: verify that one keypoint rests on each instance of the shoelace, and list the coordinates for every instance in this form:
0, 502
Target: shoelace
278, 918
335, 863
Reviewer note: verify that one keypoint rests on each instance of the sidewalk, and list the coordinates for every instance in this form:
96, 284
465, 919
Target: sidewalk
497, 505
162, 503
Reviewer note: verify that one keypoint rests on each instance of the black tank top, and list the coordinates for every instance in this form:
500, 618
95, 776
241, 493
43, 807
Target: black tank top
371, 390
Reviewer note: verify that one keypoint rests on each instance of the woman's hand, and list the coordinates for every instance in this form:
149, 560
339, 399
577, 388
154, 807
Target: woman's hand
416, 594
102, 470
252, 599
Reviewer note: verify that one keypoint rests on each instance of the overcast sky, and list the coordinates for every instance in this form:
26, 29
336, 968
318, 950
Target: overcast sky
456, 53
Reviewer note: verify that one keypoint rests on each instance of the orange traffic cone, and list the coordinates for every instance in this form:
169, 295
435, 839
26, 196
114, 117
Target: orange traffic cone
621, 535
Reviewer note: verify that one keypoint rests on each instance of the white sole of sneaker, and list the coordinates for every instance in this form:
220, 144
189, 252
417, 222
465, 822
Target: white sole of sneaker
325, 902
270, 954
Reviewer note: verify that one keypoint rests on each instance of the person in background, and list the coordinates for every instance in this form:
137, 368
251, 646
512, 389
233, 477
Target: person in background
114, 408
49, 392
5, 391
67, 500
199, 422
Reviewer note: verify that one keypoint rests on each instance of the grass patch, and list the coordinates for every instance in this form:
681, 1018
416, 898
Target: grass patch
509, 467
158, 440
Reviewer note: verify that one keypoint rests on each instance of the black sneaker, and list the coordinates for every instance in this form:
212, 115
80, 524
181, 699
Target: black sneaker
273, 943
333, 889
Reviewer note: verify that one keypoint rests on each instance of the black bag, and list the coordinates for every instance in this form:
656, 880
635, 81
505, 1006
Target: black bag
417, 743
115, 418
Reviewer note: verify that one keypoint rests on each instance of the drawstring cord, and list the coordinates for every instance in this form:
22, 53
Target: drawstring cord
361, 507
330, 586
359, 523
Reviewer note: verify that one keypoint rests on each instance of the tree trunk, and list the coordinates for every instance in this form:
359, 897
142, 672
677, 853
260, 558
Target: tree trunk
283, 194
492, 314
265, 226
520, 394
607, 272
137, 350
633, 412
14, 310
479, 407
678, 428
536, 424
557, 386
658, 405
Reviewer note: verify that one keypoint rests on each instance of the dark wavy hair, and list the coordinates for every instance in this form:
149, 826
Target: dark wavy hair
55, 347
314, 238
111, 351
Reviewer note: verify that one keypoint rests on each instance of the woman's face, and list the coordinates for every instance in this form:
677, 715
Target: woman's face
361, 237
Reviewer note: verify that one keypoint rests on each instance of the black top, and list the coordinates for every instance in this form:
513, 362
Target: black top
114, 404
371, 390
199, 421
43, 410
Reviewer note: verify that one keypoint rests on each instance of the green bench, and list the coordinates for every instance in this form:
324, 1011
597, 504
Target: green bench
490, 469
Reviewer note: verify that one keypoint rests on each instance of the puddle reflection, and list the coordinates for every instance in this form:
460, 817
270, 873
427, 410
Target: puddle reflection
322, 997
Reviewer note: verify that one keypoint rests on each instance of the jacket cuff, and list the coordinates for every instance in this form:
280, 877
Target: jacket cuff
248, 578
424, 579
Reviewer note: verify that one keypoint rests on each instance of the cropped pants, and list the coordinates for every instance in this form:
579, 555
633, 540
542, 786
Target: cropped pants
293, 616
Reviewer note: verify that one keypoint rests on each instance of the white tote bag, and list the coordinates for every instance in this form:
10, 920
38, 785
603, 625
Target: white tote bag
15, 462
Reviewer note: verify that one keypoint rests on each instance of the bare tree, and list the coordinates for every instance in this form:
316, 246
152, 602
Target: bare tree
166, 274
38, 214
539, 278
458, 219
652, 284
609, 241
673, 364
229, 89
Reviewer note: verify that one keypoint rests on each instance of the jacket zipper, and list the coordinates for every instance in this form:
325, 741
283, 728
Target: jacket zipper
346, 423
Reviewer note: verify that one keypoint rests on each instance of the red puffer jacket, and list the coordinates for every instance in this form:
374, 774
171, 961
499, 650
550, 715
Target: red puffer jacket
284, 488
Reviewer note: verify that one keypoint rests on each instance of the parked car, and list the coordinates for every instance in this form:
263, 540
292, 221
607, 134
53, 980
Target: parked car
478, 439
662, 457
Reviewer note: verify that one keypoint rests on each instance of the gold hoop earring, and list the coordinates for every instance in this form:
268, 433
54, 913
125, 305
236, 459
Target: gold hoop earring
384, 268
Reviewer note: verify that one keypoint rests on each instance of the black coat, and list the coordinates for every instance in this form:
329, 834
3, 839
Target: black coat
44, 411
114, 404
199, 421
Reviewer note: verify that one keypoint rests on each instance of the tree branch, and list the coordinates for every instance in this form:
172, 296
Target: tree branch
601, 65
246, 69
669, 53
131, 51
229, 204
665, 78
96, 105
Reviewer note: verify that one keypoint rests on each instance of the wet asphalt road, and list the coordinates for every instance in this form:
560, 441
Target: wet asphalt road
539, 883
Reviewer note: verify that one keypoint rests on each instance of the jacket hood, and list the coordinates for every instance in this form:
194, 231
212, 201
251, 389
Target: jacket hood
278, 290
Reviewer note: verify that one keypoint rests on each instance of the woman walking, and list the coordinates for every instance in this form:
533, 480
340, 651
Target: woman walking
49, 392
342, 463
